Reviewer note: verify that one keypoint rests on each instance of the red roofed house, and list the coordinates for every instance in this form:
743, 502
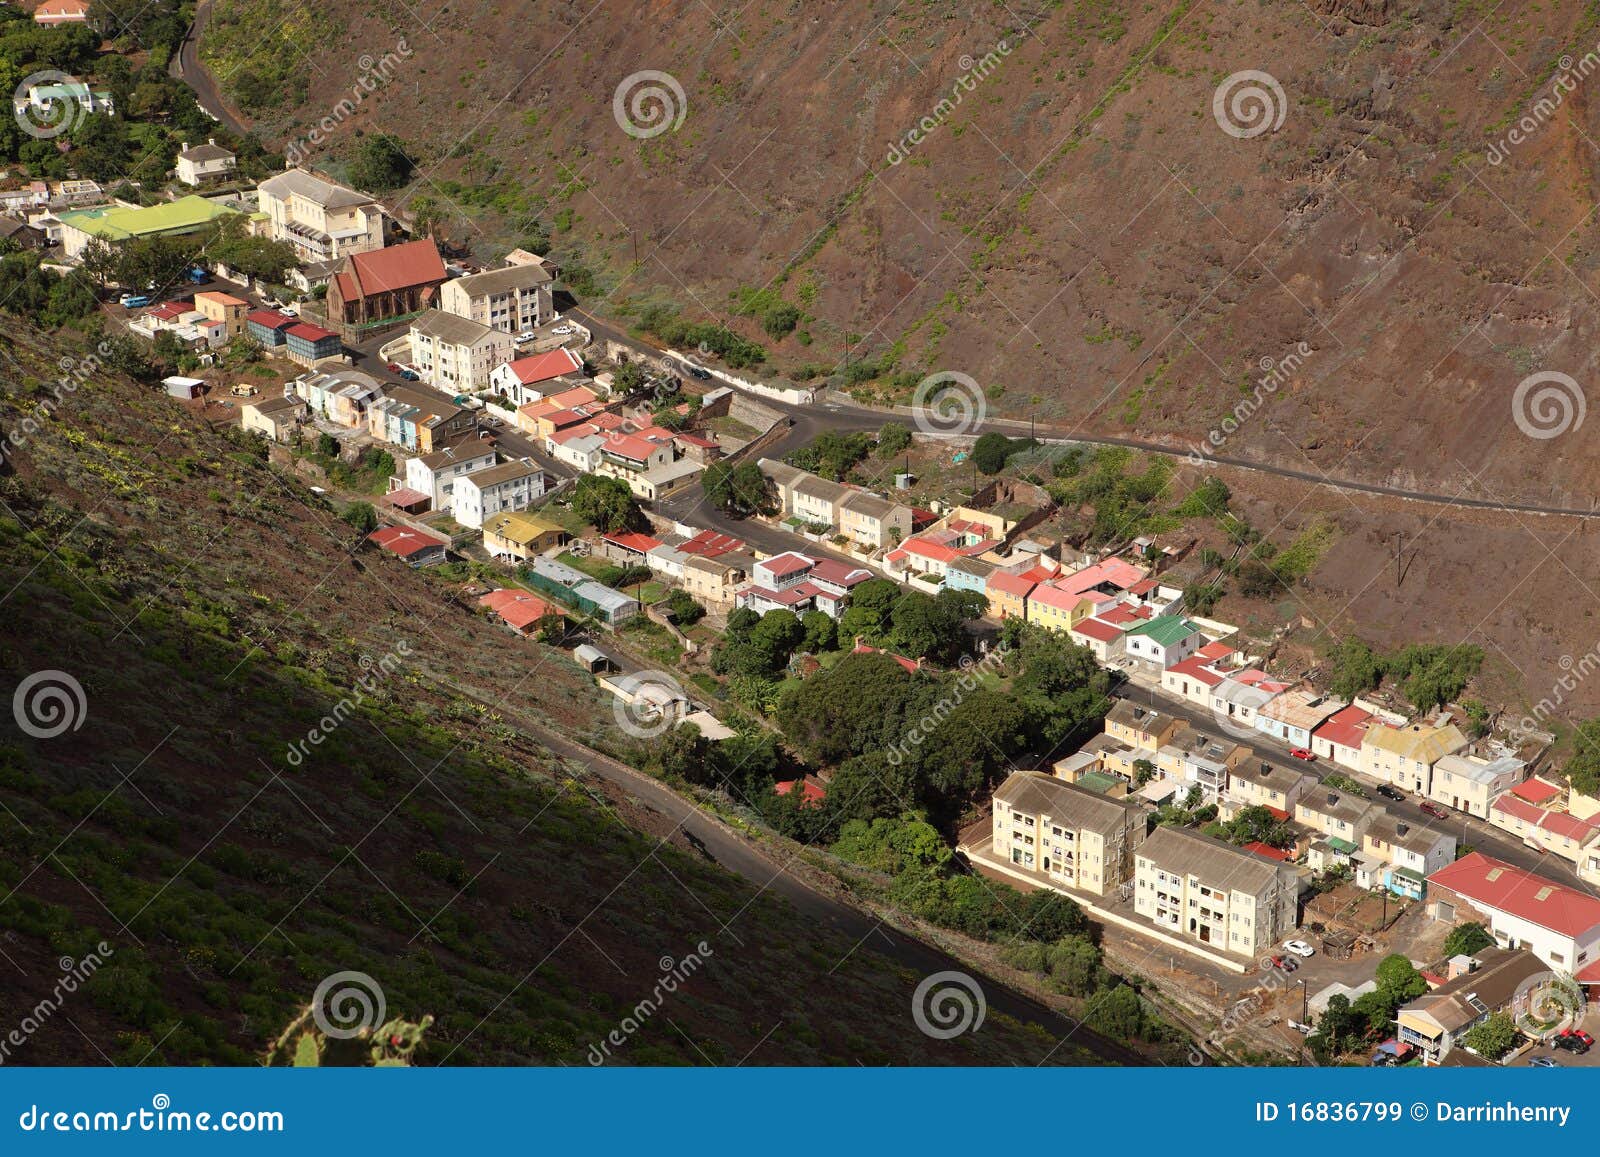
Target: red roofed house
385, 285
527, 380
912, 665
1100, 636
53, 13
799, 583
710, 544
520, 610
1340, 736
1559, 925
416, 548
812, 791
627, 547
1549, 828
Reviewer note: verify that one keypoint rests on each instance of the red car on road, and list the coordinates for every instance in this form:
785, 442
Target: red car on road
392, 368
1302, 753
1434, 810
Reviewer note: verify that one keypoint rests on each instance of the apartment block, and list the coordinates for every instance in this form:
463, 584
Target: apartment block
1201, 889
1077, 838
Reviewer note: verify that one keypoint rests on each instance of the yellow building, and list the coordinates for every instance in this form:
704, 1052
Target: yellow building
521, 535
1200, 889
223, 307
1404, 756
1074, 837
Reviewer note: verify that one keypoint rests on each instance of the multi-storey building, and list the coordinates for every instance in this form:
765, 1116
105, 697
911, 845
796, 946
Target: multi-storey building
1201, 889
1076, 838
512, 300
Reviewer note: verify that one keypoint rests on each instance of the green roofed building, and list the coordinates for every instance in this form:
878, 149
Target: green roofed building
1165, 640
118, 223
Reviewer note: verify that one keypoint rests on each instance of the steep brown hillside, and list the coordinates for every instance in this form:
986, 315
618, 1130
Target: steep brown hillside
1071, 225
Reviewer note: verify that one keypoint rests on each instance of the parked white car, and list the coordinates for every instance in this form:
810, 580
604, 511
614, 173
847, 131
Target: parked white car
562, 330
526, 335
1299, 948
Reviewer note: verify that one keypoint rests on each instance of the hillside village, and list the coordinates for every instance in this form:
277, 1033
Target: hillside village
631, 505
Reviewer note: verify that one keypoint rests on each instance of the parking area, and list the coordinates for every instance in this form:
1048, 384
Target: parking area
1563, 1057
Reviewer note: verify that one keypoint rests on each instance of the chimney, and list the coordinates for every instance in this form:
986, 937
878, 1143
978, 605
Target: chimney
211, 140
185, 148
1402, 828
1333, 798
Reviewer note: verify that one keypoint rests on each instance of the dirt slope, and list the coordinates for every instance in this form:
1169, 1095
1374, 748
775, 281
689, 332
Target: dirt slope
1073, 227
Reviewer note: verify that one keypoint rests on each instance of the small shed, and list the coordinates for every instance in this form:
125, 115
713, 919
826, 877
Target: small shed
591, 658
181, 387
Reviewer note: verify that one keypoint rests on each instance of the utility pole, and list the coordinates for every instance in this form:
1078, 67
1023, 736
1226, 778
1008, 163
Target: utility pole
1399, 547
1305, 1003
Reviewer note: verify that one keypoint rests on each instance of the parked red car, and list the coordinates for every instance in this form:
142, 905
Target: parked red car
1577, 1034
1434, 810
393, 368
1302, 753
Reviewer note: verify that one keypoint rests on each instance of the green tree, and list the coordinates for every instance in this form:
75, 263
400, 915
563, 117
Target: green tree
990, 451
605, 502
869, 611
1118, 1013
1399, 979
1467, 939
740, 489
380, 164
821, 633
893, 439
1494, 1038
362, 516
1143, 772
1583, 769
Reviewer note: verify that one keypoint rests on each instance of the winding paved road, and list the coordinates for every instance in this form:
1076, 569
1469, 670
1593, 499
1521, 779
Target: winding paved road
838, 414
186, 66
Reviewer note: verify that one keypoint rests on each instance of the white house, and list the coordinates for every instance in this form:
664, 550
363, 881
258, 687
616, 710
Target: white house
436, 474
1163, 641
497, 490
1558, 924
204, 163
